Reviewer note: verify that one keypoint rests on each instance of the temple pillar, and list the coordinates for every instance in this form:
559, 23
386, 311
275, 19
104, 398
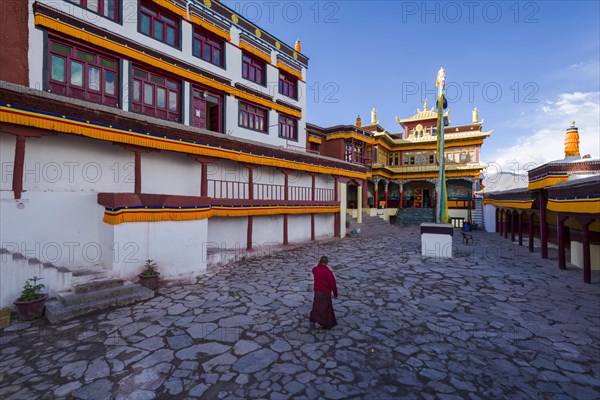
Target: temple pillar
250, 197
560, 239
531, 232
336, 218
513, 225
359, 200
543, 200
18, 167
386, 194
587, 266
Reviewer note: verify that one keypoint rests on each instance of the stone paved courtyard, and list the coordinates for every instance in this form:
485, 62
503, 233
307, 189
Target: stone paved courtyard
493, 323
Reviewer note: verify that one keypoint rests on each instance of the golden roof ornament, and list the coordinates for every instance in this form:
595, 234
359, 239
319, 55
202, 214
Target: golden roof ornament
475, 116
572, 141
374, 120
298, 46
358, 121
425, 105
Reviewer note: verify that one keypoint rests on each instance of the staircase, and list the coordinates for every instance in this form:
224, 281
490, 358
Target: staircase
371, 227
93, 296
478, 213
414, 216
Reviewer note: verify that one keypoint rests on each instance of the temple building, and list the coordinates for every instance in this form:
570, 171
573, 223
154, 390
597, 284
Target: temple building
403, 165
152, 129
559, 209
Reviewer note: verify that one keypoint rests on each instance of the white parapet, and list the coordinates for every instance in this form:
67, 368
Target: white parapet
577, 255
436, 240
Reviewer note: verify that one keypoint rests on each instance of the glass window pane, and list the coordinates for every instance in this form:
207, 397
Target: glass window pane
173, 101
216, 57
140, 74
58, 68
158, 30
82, 55
148, 10
161, 97
206, 54
145, 24
92, 5
109, 84
94, 78
107, 63
172, 84
171, 21
59, 48
136, 90
171, 36
157, 79
76, 73
148, 94
196, 47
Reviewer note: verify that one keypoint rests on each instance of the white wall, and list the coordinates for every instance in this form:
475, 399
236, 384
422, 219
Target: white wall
76, 164
56, 227
176, 246
267, 230
489, 216
7, 159
324, 225
172, 173
227, 232
299, 228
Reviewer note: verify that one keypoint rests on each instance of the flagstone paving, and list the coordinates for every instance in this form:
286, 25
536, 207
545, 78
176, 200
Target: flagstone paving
495, 322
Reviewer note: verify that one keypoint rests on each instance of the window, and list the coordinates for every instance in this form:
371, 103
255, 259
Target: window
106, 8
82, 73
159, 25
431, 158
355, 151
207, 47
253, 117
253, 69
288, 85
155, 95
207, 110
288, 127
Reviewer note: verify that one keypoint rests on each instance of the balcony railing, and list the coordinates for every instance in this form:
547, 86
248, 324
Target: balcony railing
264, 191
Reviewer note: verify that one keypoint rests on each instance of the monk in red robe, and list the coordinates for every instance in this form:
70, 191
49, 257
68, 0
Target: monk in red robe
322, 309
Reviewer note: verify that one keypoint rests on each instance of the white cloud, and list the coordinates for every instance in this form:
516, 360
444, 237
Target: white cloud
544, 139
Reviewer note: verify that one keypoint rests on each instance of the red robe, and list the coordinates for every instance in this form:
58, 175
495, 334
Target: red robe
324, 285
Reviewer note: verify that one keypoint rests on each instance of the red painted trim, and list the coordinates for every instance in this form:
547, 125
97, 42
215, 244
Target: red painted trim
543, 200
19, 163
312, 190
249, 234
312, 226
138, 173
285, 229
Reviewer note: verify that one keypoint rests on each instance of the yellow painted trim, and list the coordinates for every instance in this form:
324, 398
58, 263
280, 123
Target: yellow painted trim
194, 19
348, 135
289, 70
254, 51
583, 206
142, 215
313, 139
518, 204
546, 181
88, 37
25, 118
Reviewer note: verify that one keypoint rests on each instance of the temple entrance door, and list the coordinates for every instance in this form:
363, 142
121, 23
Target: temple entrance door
426, 199
199, 113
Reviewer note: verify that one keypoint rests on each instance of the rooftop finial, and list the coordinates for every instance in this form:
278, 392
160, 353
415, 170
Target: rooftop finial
425, 105
374, 117
298, 46
358, 122
572, 141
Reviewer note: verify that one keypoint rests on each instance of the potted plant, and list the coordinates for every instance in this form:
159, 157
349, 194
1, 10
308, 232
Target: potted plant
149, 277
32, 301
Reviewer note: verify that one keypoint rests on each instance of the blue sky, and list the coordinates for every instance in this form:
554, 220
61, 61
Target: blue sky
529, 67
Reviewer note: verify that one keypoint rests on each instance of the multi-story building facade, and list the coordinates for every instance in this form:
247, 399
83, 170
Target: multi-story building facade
404, 170
152, 129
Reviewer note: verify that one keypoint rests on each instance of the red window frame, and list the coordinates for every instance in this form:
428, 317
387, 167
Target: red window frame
147, 90
288, 127
101, 7
87, 74
253, 69
288, 85
208, 47
253, 117
160, 24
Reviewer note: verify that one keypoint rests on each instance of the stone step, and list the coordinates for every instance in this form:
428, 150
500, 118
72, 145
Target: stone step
56, 312
97, 284
74, 298
86, 274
